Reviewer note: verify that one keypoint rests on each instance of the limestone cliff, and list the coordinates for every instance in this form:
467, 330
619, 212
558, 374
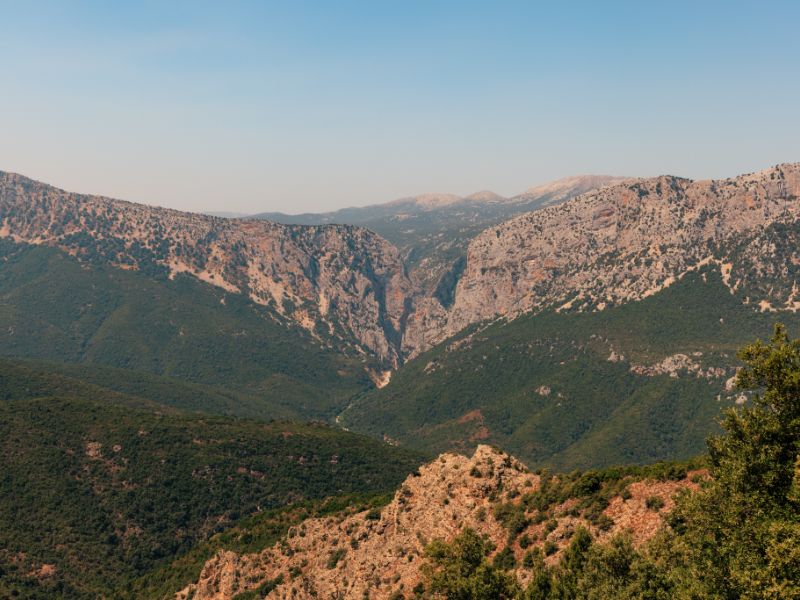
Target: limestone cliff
623, 243
337, 281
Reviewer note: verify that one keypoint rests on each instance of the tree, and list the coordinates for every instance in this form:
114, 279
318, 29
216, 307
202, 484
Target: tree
757, 458
541, 581
460, 570
740, 537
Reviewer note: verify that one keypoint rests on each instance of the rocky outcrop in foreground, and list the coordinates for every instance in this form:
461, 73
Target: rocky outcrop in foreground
376, 554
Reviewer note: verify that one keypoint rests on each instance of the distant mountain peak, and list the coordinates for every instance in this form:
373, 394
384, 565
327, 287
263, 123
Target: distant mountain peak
485, 196
427, 201
570, 186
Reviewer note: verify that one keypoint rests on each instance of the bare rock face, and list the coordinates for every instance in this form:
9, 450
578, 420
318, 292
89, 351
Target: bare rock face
339, 281
376, 555
623, 243
432, 231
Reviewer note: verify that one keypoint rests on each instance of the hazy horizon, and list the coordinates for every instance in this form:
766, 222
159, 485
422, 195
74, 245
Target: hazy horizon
315, 107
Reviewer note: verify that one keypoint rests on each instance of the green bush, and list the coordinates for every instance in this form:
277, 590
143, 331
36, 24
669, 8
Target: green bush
505, 559
512, 517
335, 557
460, 570
654, 503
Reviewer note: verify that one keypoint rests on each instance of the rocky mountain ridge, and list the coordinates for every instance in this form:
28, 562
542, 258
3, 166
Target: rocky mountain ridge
619, 243
379, 554
401, 208
623, 243
340, 282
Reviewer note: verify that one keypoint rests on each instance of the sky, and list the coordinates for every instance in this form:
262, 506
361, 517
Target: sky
311, 106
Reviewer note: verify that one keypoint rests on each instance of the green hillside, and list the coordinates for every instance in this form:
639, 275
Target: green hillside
543, 386
736, 535
53, 308
100, 487
46, 378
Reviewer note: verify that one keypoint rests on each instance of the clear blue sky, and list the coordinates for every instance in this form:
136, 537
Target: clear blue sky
294, 106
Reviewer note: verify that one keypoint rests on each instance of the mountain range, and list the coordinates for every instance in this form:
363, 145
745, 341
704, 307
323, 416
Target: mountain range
344, 296
152, 355
620, 243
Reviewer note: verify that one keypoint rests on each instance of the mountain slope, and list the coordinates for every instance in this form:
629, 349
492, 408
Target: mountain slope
55, 308
623, 243
633, 383
340, 281
49, 378
381, 554
108, 486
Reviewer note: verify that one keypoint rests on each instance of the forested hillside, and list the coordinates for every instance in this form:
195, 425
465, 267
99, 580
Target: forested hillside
635, 383
56, 309
101, 487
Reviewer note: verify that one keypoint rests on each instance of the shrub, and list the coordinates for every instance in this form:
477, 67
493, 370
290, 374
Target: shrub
513, 518
654, 503
505, 559
604, 522
335, 557
460, 569
528, 559
550, 527
588, 484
